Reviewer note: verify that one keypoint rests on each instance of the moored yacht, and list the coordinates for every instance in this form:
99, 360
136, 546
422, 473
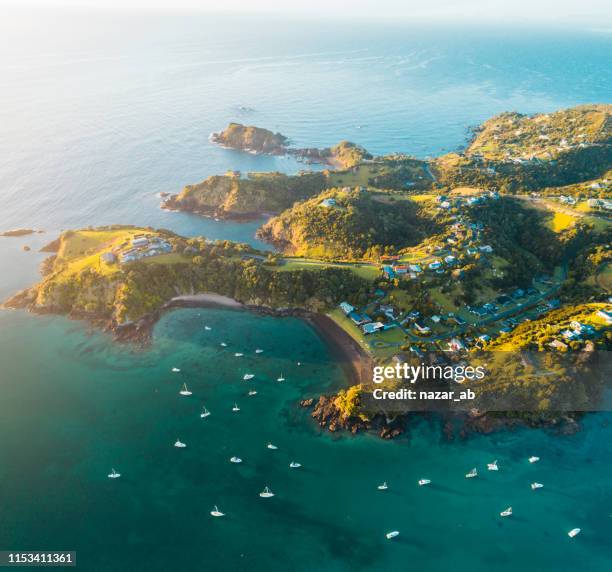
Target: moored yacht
248, 376
266, 493
217, 512
252, 392
179, 444
392, 534
238, 354
535, 486
205, 413
175, 370
493, 466
573, 532
473, 473
235, 460
114, 474
281, 378
270, 446
507, 512
383, 487
534, 459
258, 351
235, 409
295, 465
185, 391
424, 482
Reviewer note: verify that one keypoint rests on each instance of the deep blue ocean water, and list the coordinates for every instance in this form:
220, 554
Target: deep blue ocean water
99, 115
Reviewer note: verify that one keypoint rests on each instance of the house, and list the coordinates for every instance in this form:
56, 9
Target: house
435, 265
445, 205
606, 315
486, 248
372, 327
583, 329
327, 203
422, 329
138, 242
484, 338
415, 268
450, 259
570, 335
518, 293
346, 308
359, 319
436, 319
455, 345
108, 257
471, 251
400, 269
388, 310
413, 315
388, 272
558, 344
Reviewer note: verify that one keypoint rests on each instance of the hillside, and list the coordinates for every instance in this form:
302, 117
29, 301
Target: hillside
512, 151
121, 275
346, 224
234, 196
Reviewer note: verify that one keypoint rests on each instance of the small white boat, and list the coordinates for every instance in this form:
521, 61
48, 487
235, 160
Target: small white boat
507, 512
493, 466
207, 328
235, 409
238, 354
534, 459
258, 351
185, 391
270, 446
205, 413
295, 465
299, 363
535, 486
392, 534
114, 474
223, 344
266, 493
248, 376
383, 487
235, 460
175, 370
281, 378
217, 512
573, 532
424, 482
179, 444
252, 392
473, 473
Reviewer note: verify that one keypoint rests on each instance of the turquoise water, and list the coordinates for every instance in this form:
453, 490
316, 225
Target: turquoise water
74, 405
98, 117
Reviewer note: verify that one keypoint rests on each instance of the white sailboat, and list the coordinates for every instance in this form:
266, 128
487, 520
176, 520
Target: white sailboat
235, 460
205, 413
423, 482
383, 487
207, 328
114, 474
535, 486
493, 466
573, 532
235, 409
534, 459
473, 473
175, 370
270, 446
295, 465
223, 344
266, 493
217, 512
238, 354
281, 378
185, 391
258, 351
392, 534
179, 444
507, 512
248, 376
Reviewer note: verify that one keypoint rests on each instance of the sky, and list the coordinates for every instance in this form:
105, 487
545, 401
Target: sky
594, 12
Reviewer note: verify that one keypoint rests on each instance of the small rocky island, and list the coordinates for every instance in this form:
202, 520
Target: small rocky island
251, 139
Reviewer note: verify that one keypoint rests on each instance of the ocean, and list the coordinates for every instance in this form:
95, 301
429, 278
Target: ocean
101, 114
